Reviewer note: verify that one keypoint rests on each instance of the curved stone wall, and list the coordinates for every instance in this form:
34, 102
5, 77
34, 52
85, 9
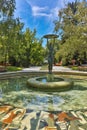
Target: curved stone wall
62, 85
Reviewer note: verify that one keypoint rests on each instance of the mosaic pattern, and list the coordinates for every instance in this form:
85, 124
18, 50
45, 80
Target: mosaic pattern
15, 118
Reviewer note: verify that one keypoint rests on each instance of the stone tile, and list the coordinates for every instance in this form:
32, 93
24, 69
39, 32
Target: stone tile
14, 118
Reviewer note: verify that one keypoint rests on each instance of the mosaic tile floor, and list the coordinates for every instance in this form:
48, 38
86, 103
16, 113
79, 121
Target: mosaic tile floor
15, 118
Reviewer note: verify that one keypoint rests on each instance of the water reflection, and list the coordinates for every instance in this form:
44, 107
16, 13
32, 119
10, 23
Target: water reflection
49, 79
16, 92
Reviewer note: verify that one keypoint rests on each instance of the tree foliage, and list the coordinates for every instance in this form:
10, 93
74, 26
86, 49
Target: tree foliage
17, 47
73, 23
32, 49
7, 8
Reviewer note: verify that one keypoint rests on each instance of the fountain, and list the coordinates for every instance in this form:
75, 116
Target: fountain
50, 82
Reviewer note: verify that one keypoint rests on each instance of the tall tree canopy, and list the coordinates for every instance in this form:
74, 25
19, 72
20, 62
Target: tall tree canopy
17, 46
73, 25
7, 8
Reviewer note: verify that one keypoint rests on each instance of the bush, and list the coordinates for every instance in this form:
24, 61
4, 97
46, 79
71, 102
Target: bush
13, 68
82, 68
2, 69
74, 68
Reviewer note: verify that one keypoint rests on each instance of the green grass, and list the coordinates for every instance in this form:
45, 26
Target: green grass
44, 67
13, 68
74, 68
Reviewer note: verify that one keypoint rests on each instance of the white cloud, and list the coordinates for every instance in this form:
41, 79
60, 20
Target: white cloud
48, 12
54, 12
45, 11
39, 11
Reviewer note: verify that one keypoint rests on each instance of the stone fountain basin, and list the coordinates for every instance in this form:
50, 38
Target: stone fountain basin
59, 84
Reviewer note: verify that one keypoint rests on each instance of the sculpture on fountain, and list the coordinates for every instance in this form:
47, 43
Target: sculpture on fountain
50, 45
50, 82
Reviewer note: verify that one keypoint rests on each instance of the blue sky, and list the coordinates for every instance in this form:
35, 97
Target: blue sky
39, 14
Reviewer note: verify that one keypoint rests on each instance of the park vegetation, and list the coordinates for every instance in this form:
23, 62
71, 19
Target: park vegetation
72, 26
22, 48
17, 47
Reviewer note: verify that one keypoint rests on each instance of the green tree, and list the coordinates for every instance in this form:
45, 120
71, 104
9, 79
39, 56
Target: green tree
16, 42
37, 53
29, 37
16, 46
7, 8
73, 23
10, 32
6, 13
33, 48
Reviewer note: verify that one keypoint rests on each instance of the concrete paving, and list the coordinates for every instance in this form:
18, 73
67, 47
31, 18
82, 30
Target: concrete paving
55, 69
61, 68
36, 68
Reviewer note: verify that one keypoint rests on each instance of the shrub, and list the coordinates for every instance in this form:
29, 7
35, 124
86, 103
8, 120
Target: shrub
74, 68
82, 68
13, 68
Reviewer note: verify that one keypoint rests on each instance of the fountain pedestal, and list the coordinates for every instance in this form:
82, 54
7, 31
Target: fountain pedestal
43, 84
